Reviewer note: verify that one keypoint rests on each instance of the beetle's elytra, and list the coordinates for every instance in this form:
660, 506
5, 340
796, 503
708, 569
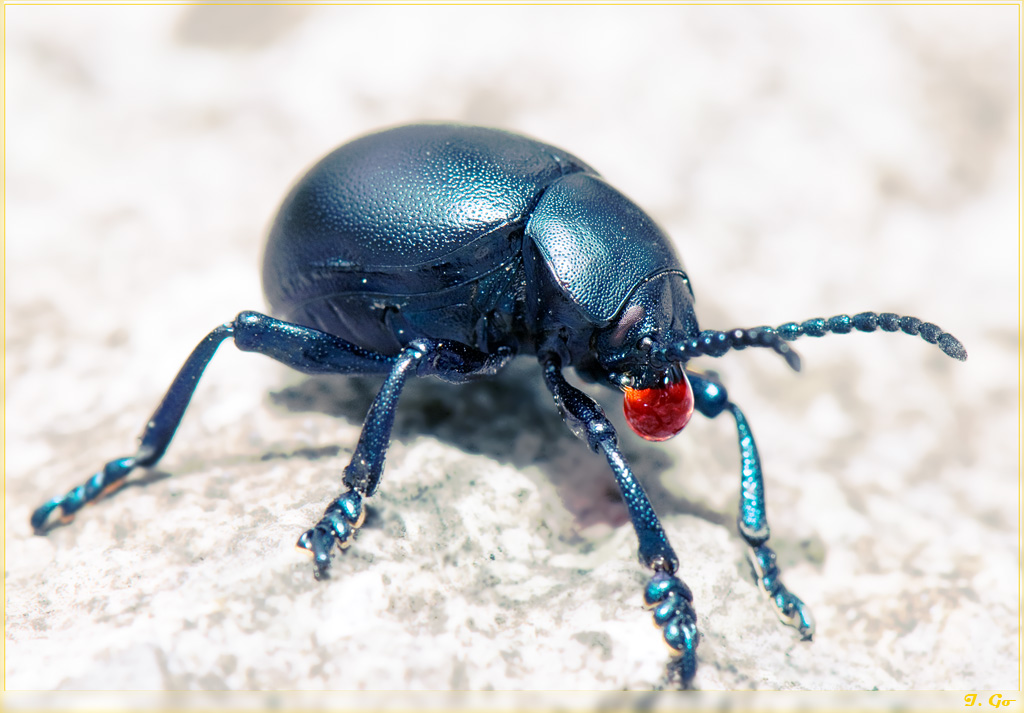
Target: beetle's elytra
446, 250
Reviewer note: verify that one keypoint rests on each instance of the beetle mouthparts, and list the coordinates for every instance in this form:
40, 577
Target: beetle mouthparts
661, 412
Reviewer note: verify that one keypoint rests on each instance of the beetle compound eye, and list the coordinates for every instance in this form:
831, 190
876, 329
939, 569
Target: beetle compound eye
658, 414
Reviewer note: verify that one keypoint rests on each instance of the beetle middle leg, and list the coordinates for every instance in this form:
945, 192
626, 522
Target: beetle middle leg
666, 594
447, 360
710, 398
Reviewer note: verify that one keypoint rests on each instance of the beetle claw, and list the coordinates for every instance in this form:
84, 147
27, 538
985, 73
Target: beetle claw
788, 607
319, 541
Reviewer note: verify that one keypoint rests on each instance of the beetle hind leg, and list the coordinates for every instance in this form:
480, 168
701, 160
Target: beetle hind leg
153, 442
307, 350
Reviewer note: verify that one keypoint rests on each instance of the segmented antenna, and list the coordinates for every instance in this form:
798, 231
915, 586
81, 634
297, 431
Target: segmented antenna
714, 343
869, 322
677, 348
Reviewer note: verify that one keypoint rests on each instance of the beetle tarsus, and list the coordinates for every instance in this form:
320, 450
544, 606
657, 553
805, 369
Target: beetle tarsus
110, 477
671, 604
338, 526
789, 608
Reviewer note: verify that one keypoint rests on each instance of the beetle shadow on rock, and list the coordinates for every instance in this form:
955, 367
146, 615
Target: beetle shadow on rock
510, 419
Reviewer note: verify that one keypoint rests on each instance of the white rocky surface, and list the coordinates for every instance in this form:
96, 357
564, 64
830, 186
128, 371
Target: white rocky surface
807, 162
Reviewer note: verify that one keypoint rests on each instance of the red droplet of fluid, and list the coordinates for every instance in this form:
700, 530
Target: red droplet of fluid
660, 413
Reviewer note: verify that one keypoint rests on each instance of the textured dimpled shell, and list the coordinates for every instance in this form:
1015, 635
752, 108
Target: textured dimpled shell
403, 198
598, 244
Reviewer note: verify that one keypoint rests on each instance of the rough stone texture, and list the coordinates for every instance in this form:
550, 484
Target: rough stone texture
808, 162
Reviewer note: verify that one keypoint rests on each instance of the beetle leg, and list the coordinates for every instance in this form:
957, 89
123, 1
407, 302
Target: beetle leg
710, 398
152, 443
345, 514
308, 350
422, 357
666, 594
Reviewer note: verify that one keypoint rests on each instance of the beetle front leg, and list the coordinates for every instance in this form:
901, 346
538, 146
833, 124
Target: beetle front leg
753, 526
710, 398
666, 594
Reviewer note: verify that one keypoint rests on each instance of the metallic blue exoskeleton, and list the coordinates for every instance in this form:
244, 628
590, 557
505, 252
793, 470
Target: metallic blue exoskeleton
447, 250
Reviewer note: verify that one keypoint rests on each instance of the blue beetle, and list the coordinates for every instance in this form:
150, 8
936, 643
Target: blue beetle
447, 250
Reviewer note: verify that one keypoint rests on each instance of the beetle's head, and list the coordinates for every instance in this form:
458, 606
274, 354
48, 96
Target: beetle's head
629, 354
